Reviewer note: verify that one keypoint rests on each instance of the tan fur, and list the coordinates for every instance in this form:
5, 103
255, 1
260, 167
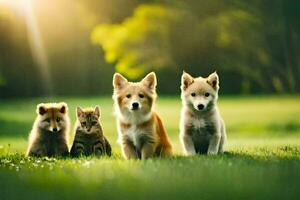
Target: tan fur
43, 140
202, 130
141, 131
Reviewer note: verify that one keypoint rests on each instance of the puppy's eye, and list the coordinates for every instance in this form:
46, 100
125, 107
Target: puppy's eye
58, 119
193, 94
94, 123
128, 96
141, 95
83, 123
47, 120
206, 94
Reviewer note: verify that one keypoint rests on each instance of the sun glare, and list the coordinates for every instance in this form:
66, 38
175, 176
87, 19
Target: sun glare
17, 5
26, 8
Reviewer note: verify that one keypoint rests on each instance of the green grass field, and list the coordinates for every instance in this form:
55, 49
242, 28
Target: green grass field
263, 159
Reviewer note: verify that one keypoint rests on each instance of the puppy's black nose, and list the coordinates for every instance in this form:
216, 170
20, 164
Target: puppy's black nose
135, 105
200, 107
54, 129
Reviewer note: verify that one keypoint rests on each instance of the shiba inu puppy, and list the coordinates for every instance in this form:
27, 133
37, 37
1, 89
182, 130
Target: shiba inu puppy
49, 135
89, 138
202, 129
141, 131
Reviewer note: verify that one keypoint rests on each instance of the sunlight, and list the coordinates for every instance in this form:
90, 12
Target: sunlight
37, 47
25, 7
17, 5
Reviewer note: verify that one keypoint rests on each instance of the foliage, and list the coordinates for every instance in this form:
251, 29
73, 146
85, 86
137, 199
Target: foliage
2, 80
140, 43
253, 45
228, 37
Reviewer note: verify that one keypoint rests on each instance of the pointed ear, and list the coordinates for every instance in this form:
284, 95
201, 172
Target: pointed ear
150, 81
119, 81
213, 80
186, 80
64, 108
97, 111
79, 111
41, 109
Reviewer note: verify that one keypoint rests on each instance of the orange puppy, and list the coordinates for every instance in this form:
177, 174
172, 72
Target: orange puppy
141, 131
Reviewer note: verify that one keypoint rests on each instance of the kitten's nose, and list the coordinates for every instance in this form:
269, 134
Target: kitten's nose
200, 107
135, 105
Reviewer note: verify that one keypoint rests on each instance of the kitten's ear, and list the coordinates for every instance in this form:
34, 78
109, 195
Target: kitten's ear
97, 111
119, 81
150, 81
63, 108
41, 109
213, 80
186, 80
79, 111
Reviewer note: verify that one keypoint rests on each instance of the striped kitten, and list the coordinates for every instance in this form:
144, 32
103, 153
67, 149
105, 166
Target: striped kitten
89, 138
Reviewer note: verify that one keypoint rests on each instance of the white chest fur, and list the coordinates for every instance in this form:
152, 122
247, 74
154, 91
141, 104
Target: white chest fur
197, 122
133, 133
138, 135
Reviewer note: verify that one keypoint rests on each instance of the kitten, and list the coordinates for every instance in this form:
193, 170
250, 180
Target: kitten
89, 138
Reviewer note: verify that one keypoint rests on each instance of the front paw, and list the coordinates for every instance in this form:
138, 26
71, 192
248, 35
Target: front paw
98, 152
212, 152
77, 153
190, 153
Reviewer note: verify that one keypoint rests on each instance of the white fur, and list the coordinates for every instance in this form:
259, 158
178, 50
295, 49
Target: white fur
191, 116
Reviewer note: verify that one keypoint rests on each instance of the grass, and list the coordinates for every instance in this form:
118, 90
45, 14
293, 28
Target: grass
262, 162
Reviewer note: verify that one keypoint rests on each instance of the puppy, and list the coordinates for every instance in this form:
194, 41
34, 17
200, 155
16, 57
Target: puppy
141, 131
202, 130
49, 135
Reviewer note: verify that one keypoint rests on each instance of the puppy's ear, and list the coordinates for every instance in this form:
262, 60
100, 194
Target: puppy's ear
97, 111
79, 111
150, 81
119, 82
186, 80
64, 108
41, 109
213, 80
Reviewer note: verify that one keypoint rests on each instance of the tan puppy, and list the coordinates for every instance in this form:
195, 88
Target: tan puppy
202, 129
141, 131
49, 135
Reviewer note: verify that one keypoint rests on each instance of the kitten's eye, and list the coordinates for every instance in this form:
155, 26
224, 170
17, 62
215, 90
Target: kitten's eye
58, 119
47, 120
206, 94
83, 123
94, 123
193, 94
141, 95
128, 96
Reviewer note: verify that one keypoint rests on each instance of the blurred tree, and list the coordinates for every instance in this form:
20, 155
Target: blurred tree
230, 36
140, 43
254, 45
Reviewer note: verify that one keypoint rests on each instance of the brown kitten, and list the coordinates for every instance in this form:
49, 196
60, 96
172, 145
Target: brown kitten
89, 138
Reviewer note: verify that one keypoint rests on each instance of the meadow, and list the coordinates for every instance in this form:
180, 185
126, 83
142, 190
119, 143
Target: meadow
262, 159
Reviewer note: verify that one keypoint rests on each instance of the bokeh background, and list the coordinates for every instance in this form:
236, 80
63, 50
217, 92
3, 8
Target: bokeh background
72, 48
68, 50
